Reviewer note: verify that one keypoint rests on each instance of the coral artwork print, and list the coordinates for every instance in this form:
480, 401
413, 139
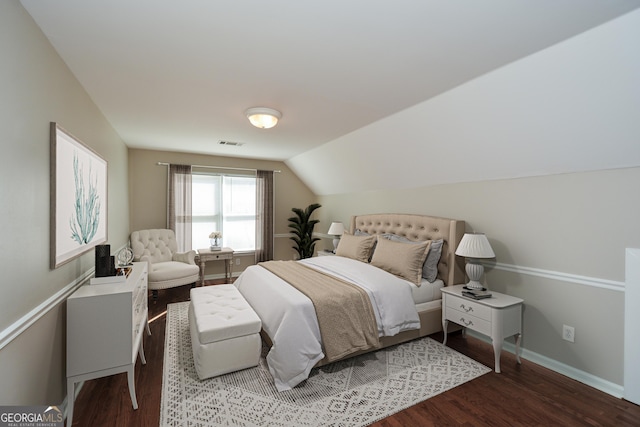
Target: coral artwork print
78, 197
85, 217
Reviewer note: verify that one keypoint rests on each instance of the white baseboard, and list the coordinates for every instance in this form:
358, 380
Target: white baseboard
591, 380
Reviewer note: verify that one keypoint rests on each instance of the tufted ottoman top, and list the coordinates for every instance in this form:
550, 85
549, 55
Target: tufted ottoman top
221, 312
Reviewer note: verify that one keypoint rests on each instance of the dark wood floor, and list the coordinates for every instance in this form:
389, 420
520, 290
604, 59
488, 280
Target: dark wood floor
522, 395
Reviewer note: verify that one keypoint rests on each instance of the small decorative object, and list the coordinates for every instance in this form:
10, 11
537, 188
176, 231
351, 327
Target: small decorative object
125, 257
214, 239
103, 261
475, 246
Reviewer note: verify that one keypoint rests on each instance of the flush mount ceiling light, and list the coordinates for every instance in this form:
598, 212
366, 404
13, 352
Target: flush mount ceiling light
263, 117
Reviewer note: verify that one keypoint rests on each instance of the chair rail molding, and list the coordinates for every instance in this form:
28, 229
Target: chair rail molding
31, 317
560, 276
19, 326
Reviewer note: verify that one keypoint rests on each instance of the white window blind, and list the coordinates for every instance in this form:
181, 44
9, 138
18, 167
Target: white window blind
225, 203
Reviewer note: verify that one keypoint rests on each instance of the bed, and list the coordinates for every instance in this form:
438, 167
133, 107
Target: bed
404, 307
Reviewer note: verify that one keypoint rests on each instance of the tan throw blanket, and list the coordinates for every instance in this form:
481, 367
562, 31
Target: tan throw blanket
345, 315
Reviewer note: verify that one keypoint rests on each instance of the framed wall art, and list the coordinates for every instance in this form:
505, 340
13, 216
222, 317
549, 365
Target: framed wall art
78, 197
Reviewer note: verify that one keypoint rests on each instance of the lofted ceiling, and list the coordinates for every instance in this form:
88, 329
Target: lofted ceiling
178, 75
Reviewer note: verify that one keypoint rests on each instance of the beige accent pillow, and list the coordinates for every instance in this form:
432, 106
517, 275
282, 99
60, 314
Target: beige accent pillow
355, 247
405, 260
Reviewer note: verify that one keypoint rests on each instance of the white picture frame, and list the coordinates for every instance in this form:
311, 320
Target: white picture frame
78, 197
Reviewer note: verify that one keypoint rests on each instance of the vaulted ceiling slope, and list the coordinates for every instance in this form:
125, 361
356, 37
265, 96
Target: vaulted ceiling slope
572, 107
178, 75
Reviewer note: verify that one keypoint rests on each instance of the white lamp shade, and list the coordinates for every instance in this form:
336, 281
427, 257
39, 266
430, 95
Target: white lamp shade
336, 229
262, 117
475, 245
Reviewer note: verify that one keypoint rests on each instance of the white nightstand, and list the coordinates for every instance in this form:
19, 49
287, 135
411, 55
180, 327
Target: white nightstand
497, 317
325, 253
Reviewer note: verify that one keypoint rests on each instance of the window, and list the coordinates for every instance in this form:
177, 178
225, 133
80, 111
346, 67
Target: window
225, 203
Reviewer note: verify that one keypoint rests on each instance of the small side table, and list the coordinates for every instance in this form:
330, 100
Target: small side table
224, 254
497, 317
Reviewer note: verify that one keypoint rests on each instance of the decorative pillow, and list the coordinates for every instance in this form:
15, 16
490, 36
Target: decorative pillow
356, 247
430, 267
405, 260
396, 238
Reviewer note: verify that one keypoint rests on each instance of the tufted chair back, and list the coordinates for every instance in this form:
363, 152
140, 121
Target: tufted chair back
158, 244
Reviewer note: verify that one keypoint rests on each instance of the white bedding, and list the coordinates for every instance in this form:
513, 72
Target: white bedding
288, 316
427, 291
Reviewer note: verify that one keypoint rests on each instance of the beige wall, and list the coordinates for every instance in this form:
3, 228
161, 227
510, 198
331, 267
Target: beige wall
37, 88
148, 194
571, 224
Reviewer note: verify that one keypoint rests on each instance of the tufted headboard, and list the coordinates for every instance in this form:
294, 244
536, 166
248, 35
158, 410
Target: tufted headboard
418, 228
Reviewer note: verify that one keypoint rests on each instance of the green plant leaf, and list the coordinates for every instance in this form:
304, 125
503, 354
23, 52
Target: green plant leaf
302, 227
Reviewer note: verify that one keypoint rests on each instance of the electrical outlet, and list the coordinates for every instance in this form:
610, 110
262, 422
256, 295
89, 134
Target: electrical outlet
237, 261
568, 333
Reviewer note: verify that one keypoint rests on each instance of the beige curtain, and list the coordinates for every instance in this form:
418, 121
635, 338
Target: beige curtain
264, 216
179, 205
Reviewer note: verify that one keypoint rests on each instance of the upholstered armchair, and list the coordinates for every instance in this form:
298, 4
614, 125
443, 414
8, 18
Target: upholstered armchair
167, 267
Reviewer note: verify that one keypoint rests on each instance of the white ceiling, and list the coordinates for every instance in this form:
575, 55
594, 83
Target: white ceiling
177, 75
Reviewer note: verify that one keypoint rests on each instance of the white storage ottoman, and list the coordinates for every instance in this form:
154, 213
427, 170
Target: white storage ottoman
225, 331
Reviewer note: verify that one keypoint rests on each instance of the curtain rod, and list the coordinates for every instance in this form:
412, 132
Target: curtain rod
218, 167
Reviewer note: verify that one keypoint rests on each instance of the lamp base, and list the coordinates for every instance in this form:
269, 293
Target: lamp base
474, 273
469, 288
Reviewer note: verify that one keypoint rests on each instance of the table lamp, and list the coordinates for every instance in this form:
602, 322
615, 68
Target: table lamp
474, 246
336, 229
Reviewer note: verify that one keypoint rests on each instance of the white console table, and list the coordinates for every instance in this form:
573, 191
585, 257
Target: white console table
105, 323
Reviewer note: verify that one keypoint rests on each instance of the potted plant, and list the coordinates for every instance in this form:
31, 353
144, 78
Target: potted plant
302, 227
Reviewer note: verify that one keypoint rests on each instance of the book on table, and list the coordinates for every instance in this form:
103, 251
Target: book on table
476, 294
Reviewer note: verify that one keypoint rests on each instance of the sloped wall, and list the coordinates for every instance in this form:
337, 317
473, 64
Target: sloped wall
569, 108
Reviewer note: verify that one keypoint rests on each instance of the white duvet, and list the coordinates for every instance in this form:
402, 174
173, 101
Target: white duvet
288, 316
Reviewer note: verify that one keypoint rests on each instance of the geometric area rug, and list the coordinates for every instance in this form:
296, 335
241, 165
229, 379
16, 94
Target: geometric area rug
354, 392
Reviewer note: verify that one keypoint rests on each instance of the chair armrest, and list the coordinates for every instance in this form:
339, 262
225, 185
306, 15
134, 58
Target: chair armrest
186, 257
148, 260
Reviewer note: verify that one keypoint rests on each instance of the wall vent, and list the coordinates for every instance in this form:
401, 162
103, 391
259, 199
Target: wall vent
231, 143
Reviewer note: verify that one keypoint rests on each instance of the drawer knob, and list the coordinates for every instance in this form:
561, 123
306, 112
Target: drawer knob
465, 308
466, 323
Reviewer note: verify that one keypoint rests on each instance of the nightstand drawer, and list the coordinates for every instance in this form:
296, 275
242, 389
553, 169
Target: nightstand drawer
469, 307
469, 321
